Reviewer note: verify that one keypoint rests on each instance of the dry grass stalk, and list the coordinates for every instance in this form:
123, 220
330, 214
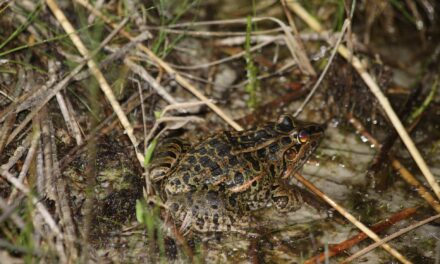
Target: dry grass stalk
226, 59
139, 70
296, 44
49, 179
27, 162
105, 87
69, 118
411, 180
18, 153
9, 211
10, 119
63, 201
173, 122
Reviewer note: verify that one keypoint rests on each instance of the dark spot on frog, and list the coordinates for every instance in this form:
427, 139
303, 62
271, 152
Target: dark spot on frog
202, 151
216, 171
261, 153
206, 161
186, 177
197, 168
273, 148
267, 193
285, 124
174, 207
255, 183
165, 154
222, 149
272, 170
192, 160
214, 142
233, 160
238, 178
176, 182
261, 135
211, 197
286, 140
189, 198
255, 163
230, 138
232, 201
215, 219
200, 222
171, 154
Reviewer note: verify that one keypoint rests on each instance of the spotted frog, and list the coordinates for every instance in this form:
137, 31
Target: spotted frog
214, 185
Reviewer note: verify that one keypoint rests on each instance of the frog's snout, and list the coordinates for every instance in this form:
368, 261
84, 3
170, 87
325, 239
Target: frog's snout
316, 130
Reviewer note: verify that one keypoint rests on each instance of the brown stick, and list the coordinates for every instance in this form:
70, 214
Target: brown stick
339, 248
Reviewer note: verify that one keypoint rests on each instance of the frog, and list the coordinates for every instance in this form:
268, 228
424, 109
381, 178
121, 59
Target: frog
215, 185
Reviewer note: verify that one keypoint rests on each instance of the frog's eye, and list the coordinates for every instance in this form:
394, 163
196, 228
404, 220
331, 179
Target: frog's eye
303, 136
285, 123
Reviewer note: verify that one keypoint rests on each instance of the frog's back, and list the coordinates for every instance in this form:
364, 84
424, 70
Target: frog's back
221, 162
202, 166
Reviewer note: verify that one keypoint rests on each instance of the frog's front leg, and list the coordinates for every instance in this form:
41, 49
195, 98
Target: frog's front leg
205, 211
285, 197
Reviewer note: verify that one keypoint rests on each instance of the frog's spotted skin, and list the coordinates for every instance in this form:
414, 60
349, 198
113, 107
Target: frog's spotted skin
214, 185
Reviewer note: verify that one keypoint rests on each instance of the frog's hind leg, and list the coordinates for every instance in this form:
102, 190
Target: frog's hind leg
205, 211
165, 157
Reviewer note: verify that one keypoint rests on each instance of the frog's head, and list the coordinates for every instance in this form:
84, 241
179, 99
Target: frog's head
297, 141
